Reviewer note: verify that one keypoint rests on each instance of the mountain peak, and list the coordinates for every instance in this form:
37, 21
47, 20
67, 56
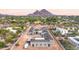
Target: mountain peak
36, 12
47, 13
43, 10
42, 13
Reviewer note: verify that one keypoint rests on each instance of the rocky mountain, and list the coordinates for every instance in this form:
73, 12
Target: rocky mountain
2, 15
41, 13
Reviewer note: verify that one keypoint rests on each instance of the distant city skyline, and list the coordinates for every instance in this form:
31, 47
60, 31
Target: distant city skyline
29, 11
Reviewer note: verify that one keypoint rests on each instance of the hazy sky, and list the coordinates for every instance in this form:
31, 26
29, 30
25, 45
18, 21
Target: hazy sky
27, 11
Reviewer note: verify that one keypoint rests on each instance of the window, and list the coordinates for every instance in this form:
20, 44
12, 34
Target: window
48, 45
36, 44
36, 32
32, 45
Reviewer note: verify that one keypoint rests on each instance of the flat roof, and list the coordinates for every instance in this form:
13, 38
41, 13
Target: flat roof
45, 37
32, 40
39, 38
75, 39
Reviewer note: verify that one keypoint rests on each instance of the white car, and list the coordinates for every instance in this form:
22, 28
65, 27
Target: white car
26, 45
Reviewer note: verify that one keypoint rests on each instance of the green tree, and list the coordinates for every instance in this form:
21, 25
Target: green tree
2, 44
10, 38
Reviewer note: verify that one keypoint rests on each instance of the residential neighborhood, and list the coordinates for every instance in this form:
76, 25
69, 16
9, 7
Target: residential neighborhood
41, 30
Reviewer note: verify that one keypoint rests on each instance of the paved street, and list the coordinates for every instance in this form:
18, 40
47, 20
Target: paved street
21, 40
56, 44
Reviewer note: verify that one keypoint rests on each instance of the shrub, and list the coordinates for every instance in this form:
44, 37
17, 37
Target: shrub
2, 44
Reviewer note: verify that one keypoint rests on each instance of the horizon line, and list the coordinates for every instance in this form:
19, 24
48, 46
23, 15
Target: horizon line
19, 12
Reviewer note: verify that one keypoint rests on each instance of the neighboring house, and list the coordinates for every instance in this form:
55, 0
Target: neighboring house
62, 31
11, 29
78, 30
71, 28
5, 25
74, 41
